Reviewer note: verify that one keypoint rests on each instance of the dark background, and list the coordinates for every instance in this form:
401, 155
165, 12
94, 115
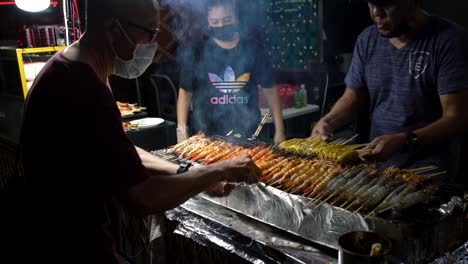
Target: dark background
343, 20
344, 17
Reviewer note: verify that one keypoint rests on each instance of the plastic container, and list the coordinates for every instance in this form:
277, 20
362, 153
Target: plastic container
303, 92
298, 99
286, 94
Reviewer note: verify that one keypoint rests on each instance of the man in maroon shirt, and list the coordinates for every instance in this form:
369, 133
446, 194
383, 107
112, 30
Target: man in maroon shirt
80, 167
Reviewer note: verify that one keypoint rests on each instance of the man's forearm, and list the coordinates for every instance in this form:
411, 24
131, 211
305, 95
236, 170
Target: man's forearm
452, 123
274, 103
153, 194
441, 131
156, 165
161, 192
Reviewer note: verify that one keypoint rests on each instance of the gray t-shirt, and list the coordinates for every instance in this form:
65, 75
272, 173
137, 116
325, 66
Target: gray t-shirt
404, 84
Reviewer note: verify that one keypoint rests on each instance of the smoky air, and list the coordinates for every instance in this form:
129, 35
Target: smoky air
285, 30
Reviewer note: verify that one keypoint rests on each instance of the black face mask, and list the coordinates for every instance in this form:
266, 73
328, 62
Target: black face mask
224, 33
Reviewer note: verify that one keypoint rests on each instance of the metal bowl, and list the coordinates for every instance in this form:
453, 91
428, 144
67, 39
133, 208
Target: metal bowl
355, 247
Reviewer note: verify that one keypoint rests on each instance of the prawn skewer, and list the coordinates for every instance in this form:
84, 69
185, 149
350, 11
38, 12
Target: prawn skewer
420, 196
394, 193
352, 185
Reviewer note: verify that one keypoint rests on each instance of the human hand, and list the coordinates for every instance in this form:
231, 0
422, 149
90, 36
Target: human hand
241, 169
384, 147
322, 130
220, 189
279, 137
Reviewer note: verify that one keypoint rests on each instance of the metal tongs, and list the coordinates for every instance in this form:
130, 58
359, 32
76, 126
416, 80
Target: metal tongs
260, 126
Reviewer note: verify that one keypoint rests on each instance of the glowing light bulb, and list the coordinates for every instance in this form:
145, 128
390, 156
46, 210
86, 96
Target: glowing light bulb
32, 5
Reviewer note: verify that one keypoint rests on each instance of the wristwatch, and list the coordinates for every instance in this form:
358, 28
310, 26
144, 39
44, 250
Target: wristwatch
412, 141
183, 167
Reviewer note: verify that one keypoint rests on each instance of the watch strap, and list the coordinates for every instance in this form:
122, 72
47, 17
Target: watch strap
183, 167
412, 141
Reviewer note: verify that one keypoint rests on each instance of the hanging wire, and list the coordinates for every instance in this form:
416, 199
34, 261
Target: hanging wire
76, 18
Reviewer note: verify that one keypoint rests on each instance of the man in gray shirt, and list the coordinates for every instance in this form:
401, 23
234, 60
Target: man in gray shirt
412, 70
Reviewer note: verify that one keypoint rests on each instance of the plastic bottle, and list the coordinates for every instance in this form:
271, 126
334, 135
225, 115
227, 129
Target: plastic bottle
298, 99
303, 92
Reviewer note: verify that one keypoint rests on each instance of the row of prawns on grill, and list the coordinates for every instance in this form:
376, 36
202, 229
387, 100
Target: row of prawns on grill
354, 188
206, 150
359, 188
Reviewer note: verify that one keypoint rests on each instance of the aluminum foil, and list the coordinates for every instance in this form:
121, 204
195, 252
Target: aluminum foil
459, 256
322, 225
415, 242
448, 208
208, 224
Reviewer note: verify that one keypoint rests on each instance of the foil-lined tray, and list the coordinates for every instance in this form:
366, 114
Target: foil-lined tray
210, 224
414, 241
322, 225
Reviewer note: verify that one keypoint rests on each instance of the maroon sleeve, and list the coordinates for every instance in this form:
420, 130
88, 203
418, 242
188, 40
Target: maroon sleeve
119, 165
73, 135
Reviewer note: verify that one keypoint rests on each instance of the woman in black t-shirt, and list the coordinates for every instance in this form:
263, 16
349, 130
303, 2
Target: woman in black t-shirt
220, 78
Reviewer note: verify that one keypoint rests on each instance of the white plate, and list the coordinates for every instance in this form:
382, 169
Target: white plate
147, 122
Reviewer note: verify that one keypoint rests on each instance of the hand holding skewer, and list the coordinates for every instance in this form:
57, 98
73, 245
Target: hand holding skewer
384, 147
241, 169
221, 189
323, 130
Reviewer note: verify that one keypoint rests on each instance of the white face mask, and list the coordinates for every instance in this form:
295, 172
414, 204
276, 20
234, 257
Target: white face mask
143, 55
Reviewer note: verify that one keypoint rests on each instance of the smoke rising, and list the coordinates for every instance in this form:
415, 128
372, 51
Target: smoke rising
260, 20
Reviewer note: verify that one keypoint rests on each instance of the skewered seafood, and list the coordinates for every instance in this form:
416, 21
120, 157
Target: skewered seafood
315, 147
323, 177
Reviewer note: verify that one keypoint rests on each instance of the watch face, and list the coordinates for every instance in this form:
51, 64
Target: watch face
183, 167
412, 141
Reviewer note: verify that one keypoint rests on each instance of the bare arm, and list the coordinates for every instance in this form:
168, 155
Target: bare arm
273, 100
341, 114
156, 165
183, 105
452, 124
162, 192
